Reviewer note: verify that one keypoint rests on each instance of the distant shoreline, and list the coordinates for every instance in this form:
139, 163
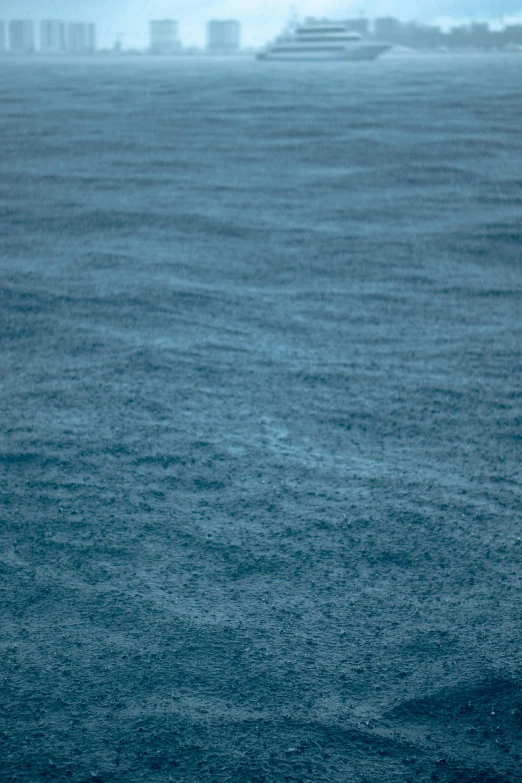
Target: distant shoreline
138, 55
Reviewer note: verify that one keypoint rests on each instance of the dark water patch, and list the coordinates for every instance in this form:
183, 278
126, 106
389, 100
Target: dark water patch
27, 458
502, 233
129, 222
489, 702
483, 718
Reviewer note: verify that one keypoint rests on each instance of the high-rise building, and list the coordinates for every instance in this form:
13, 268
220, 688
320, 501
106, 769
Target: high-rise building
81, 38
223, 35
513, 34
21, 36
480, 35
91, 37
164, 36
2, 37
360, 25
52, 36
387, 28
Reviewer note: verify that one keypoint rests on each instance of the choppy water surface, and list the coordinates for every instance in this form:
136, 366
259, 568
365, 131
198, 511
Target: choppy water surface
260, 393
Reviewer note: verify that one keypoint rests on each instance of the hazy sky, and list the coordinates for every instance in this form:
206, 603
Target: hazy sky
261, 19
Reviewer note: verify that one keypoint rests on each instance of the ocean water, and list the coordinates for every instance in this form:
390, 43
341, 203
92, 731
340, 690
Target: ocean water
260, 398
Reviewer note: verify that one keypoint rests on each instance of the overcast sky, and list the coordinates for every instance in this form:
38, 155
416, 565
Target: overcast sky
261, 19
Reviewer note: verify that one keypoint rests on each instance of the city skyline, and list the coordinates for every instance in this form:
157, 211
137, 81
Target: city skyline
19, 36
127, 21
224, 37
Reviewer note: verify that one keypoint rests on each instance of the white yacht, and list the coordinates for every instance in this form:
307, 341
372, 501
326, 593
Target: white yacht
316, 40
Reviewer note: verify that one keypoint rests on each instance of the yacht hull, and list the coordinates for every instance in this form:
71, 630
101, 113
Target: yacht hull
363, 52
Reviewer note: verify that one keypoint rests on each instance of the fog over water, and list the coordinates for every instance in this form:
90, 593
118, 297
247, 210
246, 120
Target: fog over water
260, 401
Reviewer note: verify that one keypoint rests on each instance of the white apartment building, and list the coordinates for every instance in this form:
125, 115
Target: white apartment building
52, 36
164, 36
21, 36
81, 37
223, 35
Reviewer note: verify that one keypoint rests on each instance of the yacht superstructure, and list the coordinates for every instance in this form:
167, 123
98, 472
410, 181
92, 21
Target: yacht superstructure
316, 40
